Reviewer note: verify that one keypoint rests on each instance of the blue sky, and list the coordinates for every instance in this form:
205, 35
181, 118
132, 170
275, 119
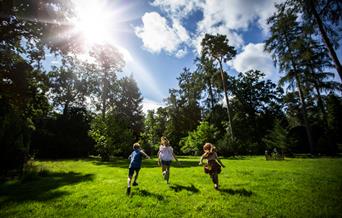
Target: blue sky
160, 37
164, 37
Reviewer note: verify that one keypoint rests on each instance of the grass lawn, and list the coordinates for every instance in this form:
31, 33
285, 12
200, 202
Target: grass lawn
250, 187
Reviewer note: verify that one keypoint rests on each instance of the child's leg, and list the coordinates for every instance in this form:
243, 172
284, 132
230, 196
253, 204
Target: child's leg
214, 178
129, 181
130, 175
163, 170
167, 174
136, 176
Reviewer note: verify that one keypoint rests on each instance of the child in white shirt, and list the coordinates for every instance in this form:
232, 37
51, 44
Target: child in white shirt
165, 157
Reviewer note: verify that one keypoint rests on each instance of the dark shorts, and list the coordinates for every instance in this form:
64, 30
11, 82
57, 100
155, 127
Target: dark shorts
165, 162
131, 171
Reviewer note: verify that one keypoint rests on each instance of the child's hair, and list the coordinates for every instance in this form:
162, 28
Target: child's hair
208, 148
136, 145
164, 141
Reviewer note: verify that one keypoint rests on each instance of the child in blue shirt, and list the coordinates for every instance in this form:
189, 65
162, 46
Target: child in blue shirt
135, 165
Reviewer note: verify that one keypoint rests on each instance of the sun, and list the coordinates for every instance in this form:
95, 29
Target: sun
93, 21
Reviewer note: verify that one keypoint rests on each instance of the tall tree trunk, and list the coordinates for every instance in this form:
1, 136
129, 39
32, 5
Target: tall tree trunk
104, 96
319, 97
211, 93
325, 37
227, 101
304, 112
66, 108
301, 97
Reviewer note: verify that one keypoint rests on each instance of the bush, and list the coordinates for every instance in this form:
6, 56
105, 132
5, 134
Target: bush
112, 136
193, 143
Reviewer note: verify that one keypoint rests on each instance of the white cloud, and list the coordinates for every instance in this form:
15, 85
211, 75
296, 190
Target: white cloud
253, 57
181, 53
237, 14
177, 9
55, 62
157, 35
150, 105
227, 17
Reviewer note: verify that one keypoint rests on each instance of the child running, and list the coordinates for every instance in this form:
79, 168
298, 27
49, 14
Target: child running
135, 165
165, 156
213, 166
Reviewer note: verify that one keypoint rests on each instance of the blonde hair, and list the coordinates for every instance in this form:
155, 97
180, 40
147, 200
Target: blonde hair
164, 141
208, 148
136, 145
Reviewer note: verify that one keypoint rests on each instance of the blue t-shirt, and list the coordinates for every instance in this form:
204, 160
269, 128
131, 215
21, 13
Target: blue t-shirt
136, 158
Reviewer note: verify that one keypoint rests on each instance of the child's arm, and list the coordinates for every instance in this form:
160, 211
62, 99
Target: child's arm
158, 161
148, 157
174, 156
201, 160
218, 160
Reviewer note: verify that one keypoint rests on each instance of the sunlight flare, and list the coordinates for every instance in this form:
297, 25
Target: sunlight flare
93, 21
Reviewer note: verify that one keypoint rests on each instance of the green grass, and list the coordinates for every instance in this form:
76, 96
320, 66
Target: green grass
250, 187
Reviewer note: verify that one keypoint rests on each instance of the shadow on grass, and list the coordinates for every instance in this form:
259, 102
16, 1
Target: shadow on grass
124, 163
242, 192
178, 188
40, 187
146, 193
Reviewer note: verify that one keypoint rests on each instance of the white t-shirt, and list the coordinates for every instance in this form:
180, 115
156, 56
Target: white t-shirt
165, 153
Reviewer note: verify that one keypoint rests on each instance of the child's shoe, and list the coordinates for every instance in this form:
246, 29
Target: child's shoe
164, 174
128, 191
135, 183
216, 186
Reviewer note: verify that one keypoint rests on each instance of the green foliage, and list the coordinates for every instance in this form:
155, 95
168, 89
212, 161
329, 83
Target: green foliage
154, 128
112, 135
217, 47
228, 147
108, 62
129, 105
256, 104
70, 84
193, 143
183, 108
279, 138
63, 135
22, 99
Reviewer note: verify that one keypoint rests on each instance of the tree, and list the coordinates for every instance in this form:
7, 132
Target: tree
183, 108
69, 84
218, 49
210, 77
26, 30
283, 43
334, 116
279, 138
331, 10
154, 127
22, 99
111, 134
256, 105
325, 16
196, 139
108, 62
129, 104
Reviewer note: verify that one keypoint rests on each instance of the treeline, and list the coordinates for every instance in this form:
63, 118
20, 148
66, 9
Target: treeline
246, 114
80, 106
